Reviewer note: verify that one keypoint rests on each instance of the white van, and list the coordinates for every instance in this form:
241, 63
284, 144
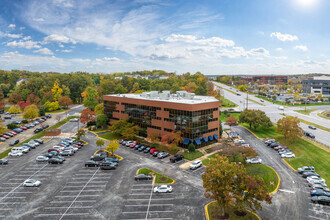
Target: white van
281, 108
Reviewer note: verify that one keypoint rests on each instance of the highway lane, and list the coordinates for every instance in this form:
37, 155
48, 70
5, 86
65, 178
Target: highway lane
274, 113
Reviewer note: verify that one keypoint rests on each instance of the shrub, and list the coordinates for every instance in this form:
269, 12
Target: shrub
191, 148
24, 121
11, 126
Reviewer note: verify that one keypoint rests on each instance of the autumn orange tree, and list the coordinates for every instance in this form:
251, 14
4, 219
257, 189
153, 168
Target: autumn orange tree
289, 127
231, 121
230, 185
87, 115
65, 101
153, 137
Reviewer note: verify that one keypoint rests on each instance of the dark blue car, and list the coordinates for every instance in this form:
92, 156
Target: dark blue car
319, 192
111, 159
48, 155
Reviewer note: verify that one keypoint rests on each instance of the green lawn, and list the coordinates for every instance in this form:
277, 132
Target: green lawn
325, 114
265, 172
307, 112
307, 154
226, 103
192, 156
223, 118
109, 136
57, 111
214, 213
159, 178
207, 160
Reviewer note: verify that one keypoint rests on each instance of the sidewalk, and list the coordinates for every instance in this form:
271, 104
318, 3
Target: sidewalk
186, 165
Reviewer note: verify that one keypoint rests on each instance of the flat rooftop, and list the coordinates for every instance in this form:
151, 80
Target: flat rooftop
183, 97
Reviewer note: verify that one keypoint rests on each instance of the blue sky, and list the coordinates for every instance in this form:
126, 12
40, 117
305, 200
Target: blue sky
211, 36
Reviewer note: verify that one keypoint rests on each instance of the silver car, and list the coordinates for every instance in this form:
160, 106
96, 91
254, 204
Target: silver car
42, 159
32, 182
163, 189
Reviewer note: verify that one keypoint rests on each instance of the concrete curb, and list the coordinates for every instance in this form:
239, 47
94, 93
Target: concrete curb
251, 132
207, 216
279, 180
289, 165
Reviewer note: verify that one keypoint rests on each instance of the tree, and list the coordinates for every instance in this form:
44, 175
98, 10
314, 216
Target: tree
135, 87
242, 88
90, 99
51, 106
33, 99
2, 128
14, 109
2, 100
31, 112
172, 138
14, 98
99, 143
113, 146
118, 127
87, 116
57, 91
65, 101
255, 118
191, 148
47, 97
99, 109
80, 133
120, 89
220, 128
102, 120
230, 185
231, 121
289, 127
153, 137
131, 133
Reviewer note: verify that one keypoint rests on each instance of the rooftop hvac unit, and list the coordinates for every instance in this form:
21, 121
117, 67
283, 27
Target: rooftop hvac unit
164, 96
181, 93
189, 95
166, 92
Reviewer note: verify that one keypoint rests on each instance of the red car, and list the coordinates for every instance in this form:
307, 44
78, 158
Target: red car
153, 150
24, 128
132, 145
14, 133
53, 149
5, 136
280, 147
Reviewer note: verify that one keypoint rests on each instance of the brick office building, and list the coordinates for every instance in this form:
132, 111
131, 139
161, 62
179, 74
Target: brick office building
197, 117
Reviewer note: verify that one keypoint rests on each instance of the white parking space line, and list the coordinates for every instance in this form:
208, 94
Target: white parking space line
319, 211
139, 212
55, 214
15, 197
139, 194
5, 209
22, 183
80, 207
11, 203
151, 199
91, 190
315, 217
150, 205
141, 189
75, 201
78, 194
17, 192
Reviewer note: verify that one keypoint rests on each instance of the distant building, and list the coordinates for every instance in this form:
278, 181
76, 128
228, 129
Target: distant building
196, 117
21, 80
284, 97
273, 80
317, 85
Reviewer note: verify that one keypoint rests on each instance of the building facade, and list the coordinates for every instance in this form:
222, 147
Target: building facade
317, 85
196, 117
272, 80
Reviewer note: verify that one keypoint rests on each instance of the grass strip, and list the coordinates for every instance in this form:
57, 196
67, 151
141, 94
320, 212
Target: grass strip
224, 118
251, 100
38, 136
266, 173
226, 103
109, 136
207, 160
214, 212
159, 178
192, 156
307, 112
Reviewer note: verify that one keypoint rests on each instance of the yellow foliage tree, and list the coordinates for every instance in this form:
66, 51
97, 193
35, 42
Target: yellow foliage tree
2, 128
30, 112
57, 91
14, 109
113, 146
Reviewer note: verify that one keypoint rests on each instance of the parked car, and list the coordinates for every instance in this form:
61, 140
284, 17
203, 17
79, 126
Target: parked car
14, 142
312, 127
37, 130
67, 152
147, 149
162, 155
306, 169
142, 148
269, 140
48, 115
196, 164
308, 174
32, 183
24, 128
91, 163
281, 147
314, 182
283, 151
288, 155
314, 178
176, 158
3, 161
25, 149
3, 139
15, 154
74, 119
29, 145
42, 158
98, 157
16, 122
59, 157
253, 160
111, 159
107, 166
142, 176
32, 142
156, 153
137, 146
274, 144
39, 141
153, 150
319, 192
9, 134
324, 200
55, 161
319, 186
163, 189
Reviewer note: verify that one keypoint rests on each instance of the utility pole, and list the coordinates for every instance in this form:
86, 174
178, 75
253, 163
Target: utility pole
247, 99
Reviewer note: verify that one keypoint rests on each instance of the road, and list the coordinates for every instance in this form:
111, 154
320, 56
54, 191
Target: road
292, 200
274, 113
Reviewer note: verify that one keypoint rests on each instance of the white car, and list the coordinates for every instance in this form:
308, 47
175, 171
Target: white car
314, 178
163, 189
253, 160
60, 148
34, 143
41, 158
288, 155
196, 164
313, 182
15, 154
74, 119
22, 149
236, 141
281, 108
31, 182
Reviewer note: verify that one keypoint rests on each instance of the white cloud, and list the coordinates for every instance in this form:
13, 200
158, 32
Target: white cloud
279, 49
14, 35
44, 51
284, 37
12, 25
55, 38
61, 45
301, 47
27, 38
66, 51
39, 19
111, 59
23, 44
213, 41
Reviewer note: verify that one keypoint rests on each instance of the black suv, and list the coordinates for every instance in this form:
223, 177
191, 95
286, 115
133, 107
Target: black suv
308, 134
55, 161
14, 142
38, 130
91, 163
321, 200
107, 166
176, 158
